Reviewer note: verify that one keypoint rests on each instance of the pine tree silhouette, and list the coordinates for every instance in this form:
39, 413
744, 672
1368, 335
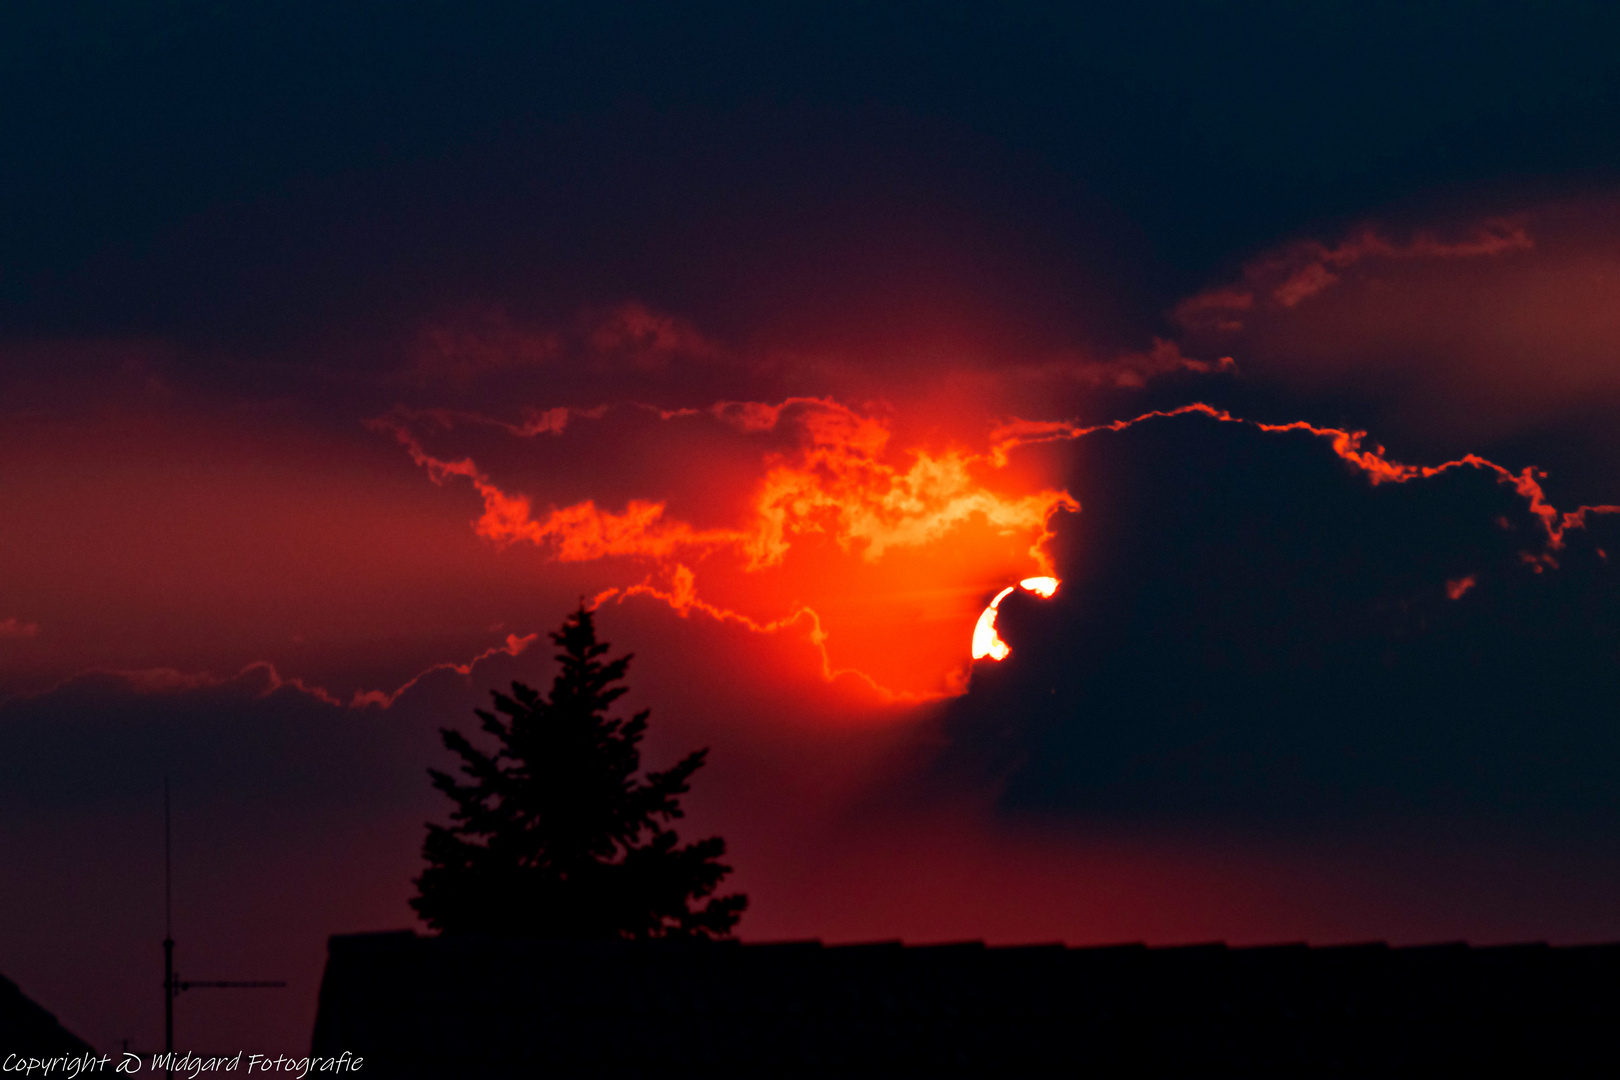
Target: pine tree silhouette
553, 835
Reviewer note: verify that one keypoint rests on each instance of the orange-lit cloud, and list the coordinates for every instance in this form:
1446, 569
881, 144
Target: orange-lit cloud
633, 351
836, 517
1459, 336
681, 595
1349, 445
1300, 271
513, 646
1457, 587
576, 533
831, 503
647, 338
15, 627
1126, 371
485, 341
264, 679
838, 484
261, 675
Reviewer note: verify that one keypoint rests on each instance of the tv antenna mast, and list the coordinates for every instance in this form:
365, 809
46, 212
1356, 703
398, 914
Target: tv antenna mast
172, 983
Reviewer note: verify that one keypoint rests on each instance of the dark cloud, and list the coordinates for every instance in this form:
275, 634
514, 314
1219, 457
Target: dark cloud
1445, 335
256, 176
1249, 629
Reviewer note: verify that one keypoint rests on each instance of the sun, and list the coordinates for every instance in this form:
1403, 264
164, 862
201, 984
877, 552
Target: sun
986, 642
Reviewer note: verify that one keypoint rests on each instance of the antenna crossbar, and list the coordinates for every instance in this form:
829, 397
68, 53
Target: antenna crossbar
173, 984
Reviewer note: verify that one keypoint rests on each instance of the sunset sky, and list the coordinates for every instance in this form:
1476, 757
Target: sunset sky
345, 348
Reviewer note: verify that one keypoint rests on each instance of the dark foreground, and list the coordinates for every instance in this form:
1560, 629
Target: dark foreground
442, 1007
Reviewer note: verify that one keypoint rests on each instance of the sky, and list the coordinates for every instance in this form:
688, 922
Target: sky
345, 349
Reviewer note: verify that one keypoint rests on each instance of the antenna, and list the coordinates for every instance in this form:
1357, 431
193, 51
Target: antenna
168, 932
168, 892
172, 983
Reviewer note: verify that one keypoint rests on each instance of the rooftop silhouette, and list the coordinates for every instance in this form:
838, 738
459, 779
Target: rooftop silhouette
423, 1006
27, 1028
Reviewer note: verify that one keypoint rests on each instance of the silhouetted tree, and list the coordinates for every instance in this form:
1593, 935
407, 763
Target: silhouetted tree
554, 835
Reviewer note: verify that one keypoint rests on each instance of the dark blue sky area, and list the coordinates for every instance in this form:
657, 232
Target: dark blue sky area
253, 174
